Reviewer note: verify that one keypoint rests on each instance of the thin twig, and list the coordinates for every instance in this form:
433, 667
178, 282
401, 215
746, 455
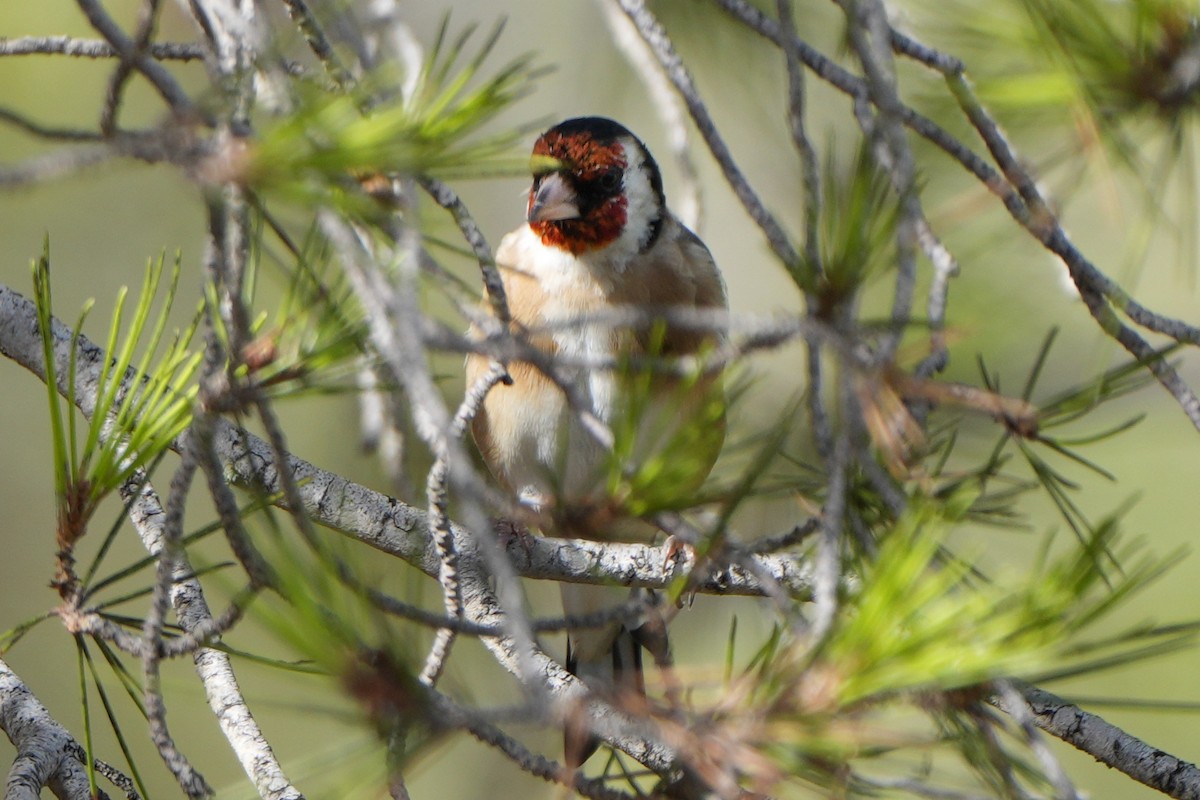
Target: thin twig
493, 284
660, 44
1017, 708
804, 147
192, 782
828, 568
918, 788
214, 667
181, 105
114, 775
45, 750
628, 612
53, 165
91, 623
439, 521
94, 48
45, 132
868, 28
819, 421
782, 541
822, 431
945, 267
538, 765
152, 147
147, 19
1106, 743
394, 318
665, 102
215, 391
318, 42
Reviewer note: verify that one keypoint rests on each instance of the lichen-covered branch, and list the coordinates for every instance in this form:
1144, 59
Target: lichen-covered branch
46, 752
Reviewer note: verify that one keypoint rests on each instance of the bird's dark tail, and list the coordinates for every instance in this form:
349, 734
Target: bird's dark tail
620, 674
609, 659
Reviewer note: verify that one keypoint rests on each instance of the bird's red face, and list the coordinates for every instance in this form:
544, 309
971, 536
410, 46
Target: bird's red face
577, 202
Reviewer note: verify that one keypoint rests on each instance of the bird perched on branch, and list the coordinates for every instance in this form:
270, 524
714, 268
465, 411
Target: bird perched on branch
598, 238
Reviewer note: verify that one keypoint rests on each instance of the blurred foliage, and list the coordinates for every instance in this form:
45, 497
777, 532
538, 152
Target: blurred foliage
919, 637
1098, 88
442, 123
309, 332
857, 228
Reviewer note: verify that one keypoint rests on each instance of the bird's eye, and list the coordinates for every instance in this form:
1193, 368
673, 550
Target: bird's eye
611, 180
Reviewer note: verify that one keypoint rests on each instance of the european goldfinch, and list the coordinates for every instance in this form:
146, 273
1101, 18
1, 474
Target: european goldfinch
598, 235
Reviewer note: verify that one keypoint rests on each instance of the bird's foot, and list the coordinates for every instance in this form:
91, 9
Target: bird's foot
510, 531
679, 554
677, 551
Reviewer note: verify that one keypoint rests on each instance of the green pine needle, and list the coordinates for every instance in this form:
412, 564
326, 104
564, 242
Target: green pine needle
446, 127
132, 423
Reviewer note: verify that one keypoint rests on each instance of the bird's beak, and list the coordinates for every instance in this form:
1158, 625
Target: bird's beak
553, 200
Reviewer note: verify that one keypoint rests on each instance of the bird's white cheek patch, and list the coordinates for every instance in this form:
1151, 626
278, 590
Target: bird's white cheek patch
641, 209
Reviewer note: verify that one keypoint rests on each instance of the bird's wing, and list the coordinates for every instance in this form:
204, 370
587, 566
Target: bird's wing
677, 271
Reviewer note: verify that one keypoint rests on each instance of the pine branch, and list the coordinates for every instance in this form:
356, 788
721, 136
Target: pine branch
94, 48
1105, 742
46, 752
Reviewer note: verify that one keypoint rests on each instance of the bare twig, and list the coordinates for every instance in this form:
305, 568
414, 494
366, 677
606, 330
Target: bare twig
804, 147
493, 284
115, 776
193, 782
151, 147
791, 538
380, 425
1105, 742
531, 762
387, 38
53, 165
147, 19
215, 392
822, 431
919, 789
213, 666
628, 612
45, 132
318, 42
828, 569
94, 48
126, 48
945, 267
440, 523
233, 38
660, 44
45, 751
821, 425
665, 102
1015, 704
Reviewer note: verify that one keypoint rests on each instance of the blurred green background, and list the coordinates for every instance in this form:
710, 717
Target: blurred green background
103, 224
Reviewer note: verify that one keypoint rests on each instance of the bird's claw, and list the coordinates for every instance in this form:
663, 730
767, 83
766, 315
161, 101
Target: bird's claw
676, 549
509, 531
678, 552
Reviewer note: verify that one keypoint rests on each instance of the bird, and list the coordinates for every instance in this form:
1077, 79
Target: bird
598, 236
